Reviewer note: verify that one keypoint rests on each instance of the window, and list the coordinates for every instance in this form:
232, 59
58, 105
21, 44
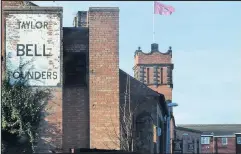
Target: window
224, 141
161, 76
147, 76
238, 140
205, 140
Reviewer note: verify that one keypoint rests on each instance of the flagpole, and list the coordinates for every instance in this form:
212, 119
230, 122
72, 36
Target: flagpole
153, 23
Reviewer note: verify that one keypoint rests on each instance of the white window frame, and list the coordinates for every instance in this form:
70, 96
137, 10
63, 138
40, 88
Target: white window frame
224, 140
205, 140
239, 140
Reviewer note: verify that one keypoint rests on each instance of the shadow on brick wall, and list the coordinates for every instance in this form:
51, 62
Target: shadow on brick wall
48, 134
50, 138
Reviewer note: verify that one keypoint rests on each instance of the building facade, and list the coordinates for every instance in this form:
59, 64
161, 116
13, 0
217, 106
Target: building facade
155, 70
52, 120
190, 139
219, 138
87, 108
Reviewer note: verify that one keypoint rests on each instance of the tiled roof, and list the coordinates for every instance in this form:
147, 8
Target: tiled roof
215, 129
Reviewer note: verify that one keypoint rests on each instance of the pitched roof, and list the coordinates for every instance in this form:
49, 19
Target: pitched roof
29, 3
188, 129
215, 129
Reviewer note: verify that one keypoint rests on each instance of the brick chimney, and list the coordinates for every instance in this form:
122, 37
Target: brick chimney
104, 77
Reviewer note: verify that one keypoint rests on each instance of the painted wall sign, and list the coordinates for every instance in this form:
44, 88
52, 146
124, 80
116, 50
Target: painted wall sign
33, 41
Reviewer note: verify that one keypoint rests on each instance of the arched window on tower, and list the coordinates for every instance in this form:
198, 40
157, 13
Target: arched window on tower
161, 76
147, 75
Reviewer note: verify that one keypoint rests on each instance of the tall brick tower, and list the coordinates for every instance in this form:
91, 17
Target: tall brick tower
104, 77
155, 70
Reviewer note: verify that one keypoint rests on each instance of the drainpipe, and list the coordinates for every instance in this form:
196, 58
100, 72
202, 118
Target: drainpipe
168, 139
168, 132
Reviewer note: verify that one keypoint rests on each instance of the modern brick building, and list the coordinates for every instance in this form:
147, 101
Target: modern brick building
219, 138
87, 108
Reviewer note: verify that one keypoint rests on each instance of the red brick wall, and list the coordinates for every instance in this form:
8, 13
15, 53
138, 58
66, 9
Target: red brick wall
104, 76
156, 58
229, 148
208, 148
51, 125
163, 89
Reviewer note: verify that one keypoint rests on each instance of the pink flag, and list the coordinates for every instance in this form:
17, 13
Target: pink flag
163, 9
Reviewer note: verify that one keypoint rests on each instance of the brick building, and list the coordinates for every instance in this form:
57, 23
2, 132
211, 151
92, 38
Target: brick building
51, 125
219, 138
87, 108
155, 70
190, 139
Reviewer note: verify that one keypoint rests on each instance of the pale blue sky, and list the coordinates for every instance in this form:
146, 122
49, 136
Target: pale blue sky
206, 41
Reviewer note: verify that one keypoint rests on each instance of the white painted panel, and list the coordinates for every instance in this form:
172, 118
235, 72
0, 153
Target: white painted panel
41, 47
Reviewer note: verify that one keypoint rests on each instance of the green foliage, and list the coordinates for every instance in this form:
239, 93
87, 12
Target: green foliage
22, 107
